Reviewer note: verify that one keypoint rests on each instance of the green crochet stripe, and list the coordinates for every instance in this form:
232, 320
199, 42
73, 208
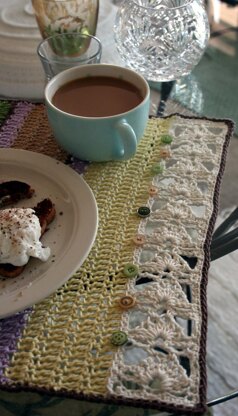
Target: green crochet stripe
5, 107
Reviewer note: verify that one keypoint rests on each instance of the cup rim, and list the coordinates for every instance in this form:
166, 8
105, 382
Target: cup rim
75, 69
57, 60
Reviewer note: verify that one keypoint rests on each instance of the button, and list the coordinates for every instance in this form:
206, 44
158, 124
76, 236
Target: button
130, 270
119, 338
157, 168
143, 211
139, 240
164, 153
153, 190
127, 302
166, 139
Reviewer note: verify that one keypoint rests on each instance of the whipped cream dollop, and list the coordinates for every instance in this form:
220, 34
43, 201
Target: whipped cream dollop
20, 233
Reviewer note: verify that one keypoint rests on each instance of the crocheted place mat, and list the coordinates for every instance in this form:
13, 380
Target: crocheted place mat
130, 325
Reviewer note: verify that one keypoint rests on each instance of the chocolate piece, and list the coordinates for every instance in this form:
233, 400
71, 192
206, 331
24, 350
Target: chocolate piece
13, 191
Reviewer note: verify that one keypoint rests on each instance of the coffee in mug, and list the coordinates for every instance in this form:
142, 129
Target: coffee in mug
83, 96
98, 112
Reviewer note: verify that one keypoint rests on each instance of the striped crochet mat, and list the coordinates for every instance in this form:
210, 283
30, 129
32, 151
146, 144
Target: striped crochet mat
129, 327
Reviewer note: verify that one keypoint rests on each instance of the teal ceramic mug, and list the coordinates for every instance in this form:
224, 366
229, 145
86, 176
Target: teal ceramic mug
99, 138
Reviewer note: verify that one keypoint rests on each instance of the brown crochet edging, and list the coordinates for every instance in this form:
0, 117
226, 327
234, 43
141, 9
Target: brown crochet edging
112, 400
200, 407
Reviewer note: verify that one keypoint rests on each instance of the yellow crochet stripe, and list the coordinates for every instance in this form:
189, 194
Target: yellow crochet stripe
66, 343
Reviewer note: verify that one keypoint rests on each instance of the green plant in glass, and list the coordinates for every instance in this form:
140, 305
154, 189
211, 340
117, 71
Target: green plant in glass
69, 44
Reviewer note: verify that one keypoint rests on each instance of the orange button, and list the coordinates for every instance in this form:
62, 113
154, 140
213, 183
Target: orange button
127, 302
139, 240
153, 190
164, 153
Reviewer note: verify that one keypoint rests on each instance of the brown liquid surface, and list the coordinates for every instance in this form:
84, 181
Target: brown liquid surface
97, 97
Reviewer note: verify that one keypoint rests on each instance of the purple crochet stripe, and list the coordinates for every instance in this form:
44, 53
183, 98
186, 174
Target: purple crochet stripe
10, 331
78, 165
9, 130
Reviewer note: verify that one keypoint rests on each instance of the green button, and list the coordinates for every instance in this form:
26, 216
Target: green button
143, 211
119, 338
166, 139
130, 270
157, 168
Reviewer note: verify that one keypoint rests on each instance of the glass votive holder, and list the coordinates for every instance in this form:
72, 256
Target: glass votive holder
60, 52
61, 16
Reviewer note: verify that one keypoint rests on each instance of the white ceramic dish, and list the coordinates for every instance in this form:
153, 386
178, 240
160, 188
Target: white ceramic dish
70, 236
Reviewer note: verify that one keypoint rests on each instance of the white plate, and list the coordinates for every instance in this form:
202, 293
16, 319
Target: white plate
70, 236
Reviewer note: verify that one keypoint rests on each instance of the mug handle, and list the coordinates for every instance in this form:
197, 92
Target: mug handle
129, 140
